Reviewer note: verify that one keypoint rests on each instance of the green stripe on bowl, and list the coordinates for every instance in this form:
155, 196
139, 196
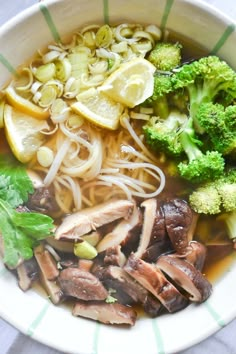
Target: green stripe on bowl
229, 30
214, 314
96, 338
7, 65
48, 18
167, 9
158, 337
37, 320
106, 11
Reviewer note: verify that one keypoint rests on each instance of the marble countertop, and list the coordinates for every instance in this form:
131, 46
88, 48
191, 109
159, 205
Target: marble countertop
12, 341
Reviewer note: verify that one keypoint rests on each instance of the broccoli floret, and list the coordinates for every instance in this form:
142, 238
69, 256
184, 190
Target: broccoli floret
162, 86
163, 97
174, 136
204, 80
218, 197
162, 135
165, 56
206, 200
219, 124
201, 166
159, 100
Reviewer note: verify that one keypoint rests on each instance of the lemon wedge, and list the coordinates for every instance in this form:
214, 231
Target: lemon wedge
98, 108
25, 105
132, 83
23, 133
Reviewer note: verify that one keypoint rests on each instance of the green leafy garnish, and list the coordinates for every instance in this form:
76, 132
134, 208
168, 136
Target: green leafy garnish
21, 231
15, 184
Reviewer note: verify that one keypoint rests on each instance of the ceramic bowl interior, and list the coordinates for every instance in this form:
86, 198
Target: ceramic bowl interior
32, 312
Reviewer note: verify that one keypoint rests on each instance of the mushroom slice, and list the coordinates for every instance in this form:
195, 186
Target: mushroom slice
53, 290
48, 272
61, 246
128, 291
82, 222
154, 239
150, 206
159, 240
43, 200
46, 263
81, 284
27, 273
85, 264
120, 232
154, 251
186, 276
196, 254
118, 279
178, 219
159, 228
114, 256
152, 306
151, 278
105, 313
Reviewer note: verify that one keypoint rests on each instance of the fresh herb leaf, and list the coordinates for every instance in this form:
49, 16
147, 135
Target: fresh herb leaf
21, 232
35, 224
11, 254
7, 192
15, 184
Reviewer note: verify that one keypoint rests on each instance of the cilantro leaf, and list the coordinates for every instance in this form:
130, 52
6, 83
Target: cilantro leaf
35, 224
11, 254
15, 184
7, 191
21, 232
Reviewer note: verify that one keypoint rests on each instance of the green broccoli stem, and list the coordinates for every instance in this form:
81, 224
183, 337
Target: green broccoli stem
198, 94
230, 221
161, 107
188, 142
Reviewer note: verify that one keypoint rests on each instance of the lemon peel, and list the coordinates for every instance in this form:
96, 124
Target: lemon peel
24, 105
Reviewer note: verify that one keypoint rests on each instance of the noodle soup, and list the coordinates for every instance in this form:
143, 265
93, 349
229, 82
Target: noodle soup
103, 215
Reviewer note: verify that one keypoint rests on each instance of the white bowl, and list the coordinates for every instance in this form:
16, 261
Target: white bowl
31, 312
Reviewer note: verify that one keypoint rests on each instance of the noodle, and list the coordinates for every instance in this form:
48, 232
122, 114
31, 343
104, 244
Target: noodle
57, 162
87, 154
91, 165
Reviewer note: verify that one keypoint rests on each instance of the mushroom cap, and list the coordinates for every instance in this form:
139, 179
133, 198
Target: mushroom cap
186, 276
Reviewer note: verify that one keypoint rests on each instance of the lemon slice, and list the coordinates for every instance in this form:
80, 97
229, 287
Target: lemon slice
23, 133
25, 105
132, 83
98, 108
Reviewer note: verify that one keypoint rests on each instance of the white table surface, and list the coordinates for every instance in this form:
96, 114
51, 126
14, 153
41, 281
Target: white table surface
14, 342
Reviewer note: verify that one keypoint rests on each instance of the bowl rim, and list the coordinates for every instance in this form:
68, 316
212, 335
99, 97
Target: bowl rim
33, 9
